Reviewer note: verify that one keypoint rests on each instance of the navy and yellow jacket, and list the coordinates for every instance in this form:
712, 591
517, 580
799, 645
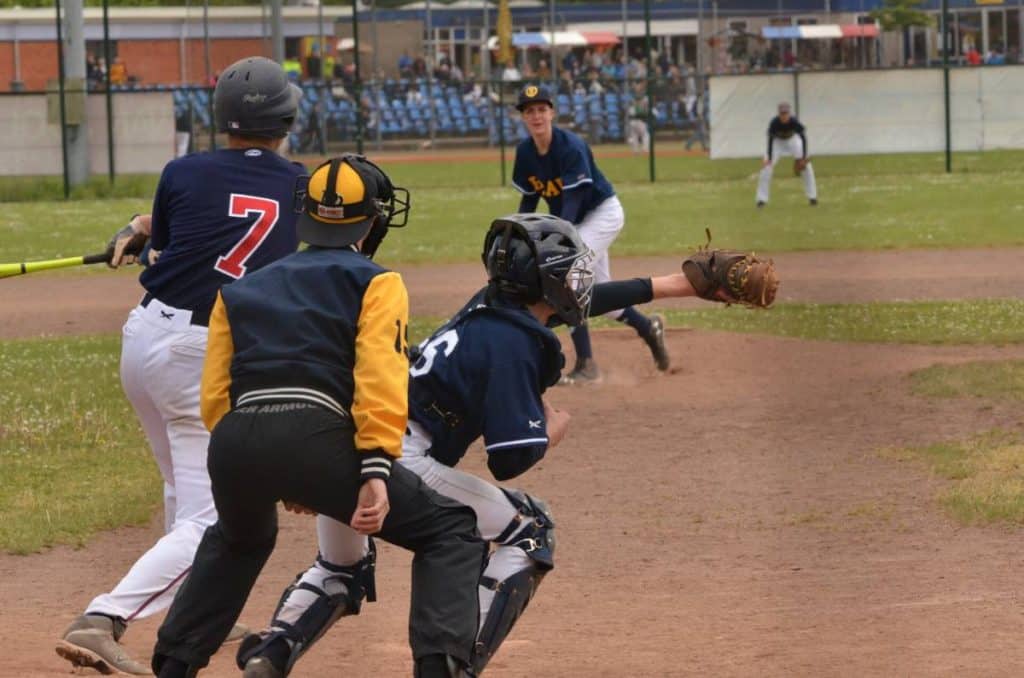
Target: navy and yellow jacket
326, 326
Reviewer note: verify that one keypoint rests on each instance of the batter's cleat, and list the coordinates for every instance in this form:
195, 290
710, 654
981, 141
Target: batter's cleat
655, 340
91, 641
585, 372
261, 667
814, 202
760, 204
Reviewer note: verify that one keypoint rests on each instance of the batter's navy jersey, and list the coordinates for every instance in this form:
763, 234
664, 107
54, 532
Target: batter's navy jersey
482, 374
568, 165
217, 216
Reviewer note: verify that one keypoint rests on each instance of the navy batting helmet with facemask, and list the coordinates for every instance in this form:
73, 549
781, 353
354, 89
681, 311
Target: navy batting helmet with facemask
539, 257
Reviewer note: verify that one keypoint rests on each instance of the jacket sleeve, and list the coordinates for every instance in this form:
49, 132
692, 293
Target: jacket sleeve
380, 404
214, 391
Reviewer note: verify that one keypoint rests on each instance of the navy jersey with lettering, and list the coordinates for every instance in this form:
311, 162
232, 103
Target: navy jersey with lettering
217, 216
784, 130
567, 166
483, 374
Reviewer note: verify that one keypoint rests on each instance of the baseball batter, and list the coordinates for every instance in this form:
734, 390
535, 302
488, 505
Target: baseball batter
559, 167
786, 136
216, 217
483, 374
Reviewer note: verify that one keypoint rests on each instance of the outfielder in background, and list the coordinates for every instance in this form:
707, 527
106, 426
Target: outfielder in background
558, 166
786, 136
216, 216
320, 428
484, 374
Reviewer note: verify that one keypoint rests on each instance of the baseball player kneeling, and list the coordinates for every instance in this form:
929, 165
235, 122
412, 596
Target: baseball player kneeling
786, 136
305, 391
484, 374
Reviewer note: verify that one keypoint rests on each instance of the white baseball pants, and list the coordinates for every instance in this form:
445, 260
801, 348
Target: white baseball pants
639, 137
341, 545
598, 230
793, 146
161, 367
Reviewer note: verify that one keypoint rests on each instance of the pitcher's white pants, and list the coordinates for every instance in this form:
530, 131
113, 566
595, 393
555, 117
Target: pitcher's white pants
792, 146
598, 231
161, 367
341, 545
639, 137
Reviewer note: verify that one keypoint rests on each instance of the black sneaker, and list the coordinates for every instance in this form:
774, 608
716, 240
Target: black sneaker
585, 372
814, 202
655, 340
760, 204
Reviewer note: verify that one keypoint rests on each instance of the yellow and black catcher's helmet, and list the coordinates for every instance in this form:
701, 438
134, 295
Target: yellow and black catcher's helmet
344, 199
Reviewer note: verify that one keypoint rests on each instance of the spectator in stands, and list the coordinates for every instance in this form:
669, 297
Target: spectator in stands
570, 64
118, 72
314, 135
594, 83
292, 67
183, 130
510, 73
664, 63
472, 92
419, 67
443, 73
314, 65
405, 64
639, 136
369, 111
565, 82
788, 58
94, 75
543, 70
972, 56
328, 65
696, 111
995, 57
456, 74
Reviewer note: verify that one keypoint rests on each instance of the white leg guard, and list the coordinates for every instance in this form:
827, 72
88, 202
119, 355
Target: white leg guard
320, 596
513, 573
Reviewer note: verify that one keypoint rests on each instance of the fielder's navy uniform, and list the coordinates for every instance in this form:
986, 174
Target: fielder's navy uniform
566, 177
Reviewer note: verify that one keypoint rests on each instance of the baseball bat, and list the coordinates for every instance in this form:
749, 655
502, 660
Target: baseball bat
8, 270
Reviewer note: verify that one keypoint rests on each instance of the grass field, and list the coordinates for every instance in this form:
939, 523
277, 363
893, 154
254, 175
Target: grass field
997, 379
985, 474
867, 202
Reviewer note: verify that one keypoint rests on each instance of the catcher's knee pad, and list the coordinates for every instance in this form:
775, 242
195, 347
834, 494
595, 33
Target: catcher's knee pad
306, 609
533, 532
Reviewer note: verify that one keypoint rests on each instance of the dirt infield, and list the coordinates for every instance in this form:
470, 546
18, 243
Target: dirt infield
732, 518
48, 304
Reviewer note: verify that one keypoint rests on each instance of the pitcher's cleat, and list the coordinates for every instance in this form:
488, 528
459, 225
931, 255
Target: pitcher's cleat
91, 641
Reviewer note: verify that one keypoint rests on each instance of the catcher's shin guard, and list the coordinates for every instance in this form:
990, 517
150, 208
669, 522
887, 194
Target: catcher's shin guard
306, 610
533, 532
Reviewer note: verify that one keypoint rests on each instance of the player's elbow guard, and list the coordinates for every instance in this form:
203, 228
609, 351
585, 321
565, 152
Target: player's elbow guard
509, 463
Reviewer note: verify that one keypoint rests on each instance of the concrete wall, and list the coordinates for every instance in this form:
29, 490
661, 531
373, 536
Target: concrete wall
891, 111
143, 134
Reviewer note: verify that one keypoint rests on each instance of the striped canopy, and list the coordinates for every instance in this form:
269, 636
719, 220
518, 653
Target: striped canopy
558, 38
820, 31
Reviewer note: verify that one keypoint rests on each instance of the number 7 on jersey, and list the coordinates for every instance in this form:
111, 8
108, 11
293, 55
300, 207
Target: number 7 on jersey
241, 205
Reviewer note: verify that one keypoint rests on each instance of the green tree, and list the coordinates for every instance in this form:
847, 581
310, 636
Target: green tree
900, 14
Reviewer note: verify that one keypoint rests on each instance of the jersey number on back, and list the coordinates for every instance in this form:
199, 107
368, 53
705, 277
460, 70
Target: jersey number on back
267, 211
444, 342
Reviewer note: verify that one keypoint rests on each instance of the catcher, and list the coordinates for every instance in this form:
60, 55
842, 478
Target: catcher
786, 136
500, 345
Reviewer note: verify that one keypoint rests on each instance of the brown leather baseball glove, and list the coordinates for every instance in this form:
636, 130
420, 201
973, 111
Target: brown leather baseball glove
799, 164
731, 277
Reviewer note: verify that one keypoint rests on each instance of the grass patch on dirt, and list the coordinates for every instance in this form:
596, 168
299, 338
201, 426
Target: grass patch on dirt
867, 202
997, 379
986, 475
987, 321
73, 460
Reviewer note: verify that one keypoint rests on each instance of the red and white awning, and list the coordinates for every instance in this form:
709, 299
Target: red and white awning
546, 39
820, 31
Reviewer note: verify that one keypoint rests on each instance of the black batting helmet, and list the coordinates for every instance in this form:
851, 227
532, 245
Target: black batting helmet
254, 98
539, 257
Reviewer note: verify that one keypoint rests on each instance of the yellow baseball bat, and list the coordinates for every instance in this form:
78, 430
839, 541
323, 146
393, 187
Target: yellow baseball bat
8, 270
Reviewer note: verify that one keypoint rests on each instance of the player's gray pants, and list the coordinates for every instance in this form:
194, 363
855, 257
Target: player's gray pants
794, 147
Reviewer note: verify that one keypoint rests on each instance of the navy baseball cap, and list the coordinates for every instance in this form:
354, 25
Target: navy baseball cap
531, 93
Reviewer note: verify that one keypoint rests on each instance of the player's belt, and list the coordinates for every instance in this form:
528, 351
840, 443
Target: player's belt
290, 394
199, 317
